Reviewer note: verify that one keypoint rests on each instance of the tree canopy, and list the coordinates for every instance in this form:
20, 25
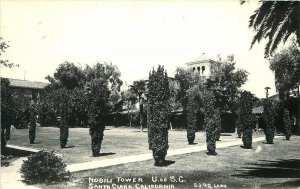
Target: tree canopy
3, 46
276, 21
286, 66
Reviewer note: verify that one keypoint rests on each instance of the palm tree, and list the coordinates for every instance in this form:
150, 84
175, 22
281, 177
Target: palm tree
275, 20
138, 88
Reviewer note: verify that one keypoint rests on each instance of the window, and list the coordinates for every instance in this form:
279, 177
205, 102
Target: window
203, 68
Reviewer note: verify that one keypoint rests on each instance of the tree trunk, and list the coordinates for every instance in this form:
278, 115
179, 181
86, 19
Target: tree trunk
141, 114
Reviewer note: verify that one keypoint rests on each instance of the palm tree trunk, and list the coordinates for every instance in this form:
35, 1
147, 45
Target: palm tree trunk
141, 116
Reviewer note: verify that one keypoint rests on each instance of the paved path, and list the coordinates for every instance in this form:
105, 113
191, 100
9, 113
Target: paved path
11, 177
134, 158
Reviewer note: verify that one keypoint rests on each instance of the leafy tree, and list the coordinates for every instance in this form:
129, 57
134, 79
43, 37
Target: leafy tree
226, 84
3, 46
158, 111
276, 21
69, 75
139, 88
246, 117
185, 79
287, 124
286, 66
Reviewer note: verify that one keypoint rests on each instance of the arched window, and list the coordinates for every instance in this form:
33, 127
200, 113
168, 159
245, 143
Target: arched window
203, 68
198, 68
194, 68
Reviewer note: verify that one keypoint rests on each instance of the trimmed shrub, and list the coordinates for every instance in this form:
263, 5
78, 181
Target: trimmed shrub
246, 117
212, 120
32, 122
97, 133
44, 167
158, 111
191, 115
64, 130
98, 109
269, 120
287, 124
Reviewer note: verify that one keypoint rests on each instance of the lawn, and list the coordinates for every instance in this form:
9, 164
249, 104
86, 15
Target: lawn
263, 166
118, 142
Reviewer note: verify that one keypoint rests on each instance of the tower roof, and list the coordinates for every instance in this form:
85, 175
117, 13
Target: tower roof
202, 58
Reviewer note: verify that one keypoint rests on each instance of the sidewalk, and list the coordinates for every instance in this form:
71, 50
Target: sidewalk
11, 177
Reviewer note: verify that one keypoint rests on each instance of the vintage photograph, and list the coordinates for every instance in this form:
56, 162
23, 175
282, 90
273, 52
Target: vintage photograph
171, 94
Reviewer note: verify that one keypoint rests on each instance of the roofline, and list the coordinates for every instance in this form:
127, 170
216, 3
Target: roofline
26, 87
201, 61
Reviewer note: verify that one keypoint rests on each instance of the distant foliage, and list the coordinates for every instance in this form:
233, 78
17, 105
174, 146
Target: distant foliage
269, 120
6, 111
138, 89
158, 112
246, 117
70, 87
21, 109
44, 167
287, 124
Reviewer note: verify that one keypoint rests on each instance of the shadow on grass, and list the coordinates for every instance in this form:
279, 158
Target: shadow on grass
267, 143
165, 163
107, 154
288, 184
36, 143
226, 134
16, 152
272, 169
140, 131
245, 147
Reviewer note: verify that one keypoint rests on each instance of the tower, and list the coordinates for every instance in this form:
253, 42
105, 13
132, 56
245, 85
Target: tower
203, 65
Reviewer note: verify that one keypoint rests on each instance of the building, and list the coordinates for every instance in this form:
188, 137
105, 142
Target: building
30, 89
204, 66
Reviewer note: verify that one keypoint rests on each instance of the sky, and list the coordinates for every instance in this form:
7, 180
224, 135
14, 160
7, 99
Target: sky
134, 35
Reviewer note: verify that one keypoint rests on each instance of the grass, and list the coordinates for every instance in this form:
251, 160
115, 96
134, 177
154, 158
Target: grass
263, 166
118, 142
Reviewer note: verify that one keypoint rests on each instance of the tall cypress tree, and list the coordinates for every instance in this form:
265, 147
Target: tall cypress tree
246, 117
212, 120
192, 110
287, 124
32, 124
159, 94
269, 120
